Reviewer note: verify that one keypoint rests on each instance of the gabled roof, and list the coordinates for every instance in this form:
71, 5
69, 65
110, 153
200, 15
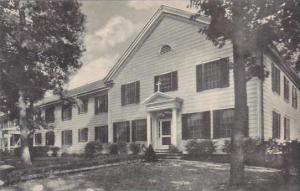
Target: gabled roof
148, 28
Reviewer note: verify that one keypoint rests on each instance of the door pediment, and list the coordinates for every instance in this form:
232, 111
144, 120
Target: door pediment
160, 100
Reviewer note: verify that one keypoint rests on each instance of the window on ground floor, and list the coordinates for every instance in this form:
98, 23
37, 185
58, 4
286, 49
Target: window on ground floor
50, 138
139, 130
276, 125
101, 134
83, 135
15, 139
286, 128
223, 122
38, 138
66, 137
121, 131
196, 125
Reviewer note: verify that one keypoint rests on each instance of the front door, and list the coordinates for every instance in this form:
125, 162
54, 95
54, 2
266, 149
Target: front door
164, 133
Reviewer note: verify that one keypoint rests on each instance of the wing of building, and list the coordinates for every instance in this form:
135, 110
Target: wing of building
172, 85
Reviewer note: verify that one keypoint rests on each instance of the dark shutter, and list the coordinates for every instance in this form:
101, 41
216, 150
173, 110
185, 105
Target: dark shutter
224, 72
128, 131
206, 125
199, 78
156, 78
273, 78
174, 78
133, 130
97, 135
185, 129
106, 103
115, 132
62, 138
122, 94
216, 124
137, 92
246, 131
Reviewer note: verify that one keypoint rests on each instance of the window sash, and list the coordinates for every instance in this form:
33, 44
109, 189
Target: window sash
83, 106
66, 112
83, 135
101, 104
121, 131
130, 93
139, 130
50, 138
169, 82
286, 129
196, 125
276, 125
294, 97
49, 115
67, 137
275, 79
38, 139
286, 89
223, 123
101, 134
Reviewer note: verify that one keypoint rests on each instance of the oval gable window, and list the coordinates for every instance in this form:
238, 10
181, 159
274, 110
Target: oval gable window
165, 48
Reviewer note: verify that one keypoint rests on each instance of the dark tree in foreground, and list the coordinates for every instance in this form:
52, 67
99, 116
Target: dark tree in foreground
40, 46
251, 26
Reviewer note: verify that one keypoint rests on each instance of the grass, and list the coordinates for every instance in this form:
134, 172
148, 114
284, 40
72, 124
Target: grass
166, 175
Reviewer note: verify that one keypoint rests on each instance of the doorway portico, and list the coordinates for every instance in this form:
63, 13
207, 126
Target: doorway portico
163, 120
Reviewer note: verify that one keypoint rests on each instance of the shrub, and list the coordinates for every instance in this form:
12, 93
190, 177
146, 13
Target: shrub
173, 149
55, 151
113, 149
135, 148
150, 155
93, 148
202, 148
40, 151
122, 147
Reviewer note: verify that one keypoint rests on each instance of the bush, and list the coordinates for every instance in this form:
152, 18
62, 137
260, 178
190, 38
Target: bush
203, 148
122, 147
113, 149
135, 148
150, 155
93, 148
291, 155
55, 151
173, 149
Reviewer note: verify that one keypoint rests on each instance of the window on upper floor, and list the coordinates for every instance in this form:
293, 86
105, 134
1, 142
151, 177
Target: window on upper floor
196, 125
101, 134
83, 135
101, 104
66, 137
139, 130
130, 93
66, 112
294, 97
286, 128
165, 48
121, 131
38, 138
212, 75
50, 138
166, 82
276, 125
83, 105
286, 88
275, 79
49, 114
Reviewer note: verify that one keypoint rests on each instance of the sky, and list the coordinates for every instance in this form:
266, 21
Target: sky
111, 25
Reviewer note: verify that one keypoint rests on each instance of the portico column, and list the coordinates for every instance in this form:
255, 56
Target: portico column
149, 128
174, 127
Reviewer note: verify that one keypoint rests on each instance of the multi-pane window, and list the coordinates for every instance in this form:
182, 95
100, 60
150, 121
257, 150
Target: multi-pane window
101, 104
49, 114
121, 131
213, 74
130, 93
166, 82
294, 97
50, 138
276, 125
286, 88
66, 112
196, 125
66, 137
83, 135
139, 130
101, 134
275, 79
83, 106
223, 123
286, 128
38, 139
15, 140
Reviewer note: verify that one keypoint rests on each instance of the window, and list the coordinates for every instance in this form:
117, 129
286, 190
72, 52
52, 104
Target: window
15, 140
66, 137
49, 115
130, 93
212, 75
275, 79
139, 130
168, 82
101, 134
38, 139
101, 104
286, 88
165, 48
66, 112
196, 125
294, 97
50, 138
121, 131
223, 122
276, 125
286, 128
83, 135
83, 106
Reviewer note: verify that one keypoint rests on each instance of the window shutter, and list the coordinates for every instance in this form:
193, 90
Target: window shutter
133, 131
279, 126
156, 78
199, 82
206, 125
128, 131
224, 72
115, 133
273, 78
185, 133
62, 138
216, 124
174, 78
246, 132
137, 92
122, 94
106, 103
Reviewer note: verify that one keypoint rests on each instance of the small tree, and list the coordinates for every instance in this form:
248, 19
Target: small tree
41, 43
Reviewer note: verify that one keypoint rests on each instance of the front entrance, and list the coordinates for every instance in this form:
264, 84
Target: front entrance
164, 133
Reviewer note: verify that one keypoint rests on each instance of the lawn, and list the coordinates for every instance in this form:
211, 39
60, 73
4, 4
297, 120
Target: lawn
166, 175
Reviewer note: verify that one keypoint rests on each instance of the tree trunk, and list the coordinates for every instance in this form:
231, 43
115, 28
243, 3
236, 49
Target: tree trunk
25, 153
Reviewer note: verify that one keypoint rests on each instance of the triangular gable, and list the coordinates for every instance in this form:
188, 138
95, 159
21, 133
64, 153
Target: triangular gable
146, 31
158, 97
